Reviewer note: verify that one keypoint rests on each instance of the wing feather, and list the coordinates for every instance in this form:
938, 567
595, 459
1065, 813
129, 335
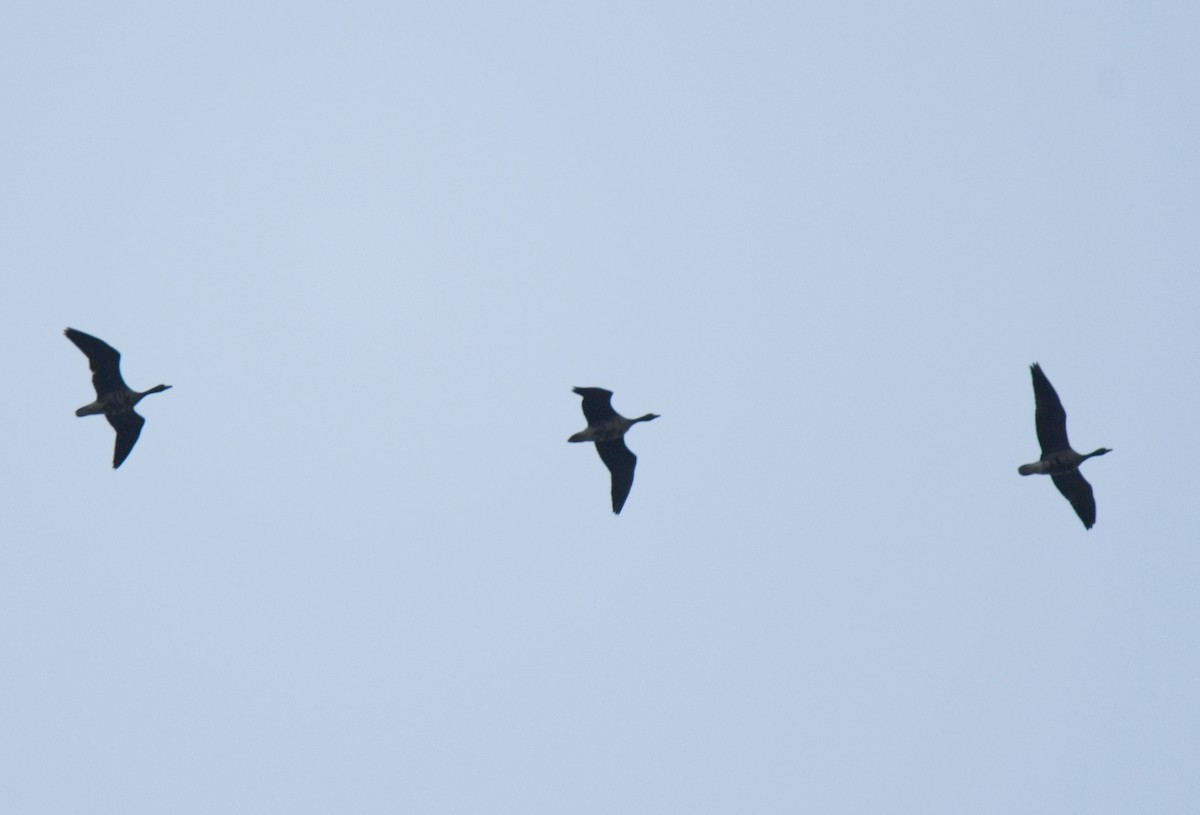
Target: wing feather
1078, 491
103, 359
128, 426
597, 405
1050, 417
621, 463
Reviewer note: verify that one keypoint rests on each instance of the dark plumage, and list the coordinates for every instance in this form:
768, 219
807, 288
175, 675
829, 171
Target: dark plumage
1058, 460
114, 398
607, 429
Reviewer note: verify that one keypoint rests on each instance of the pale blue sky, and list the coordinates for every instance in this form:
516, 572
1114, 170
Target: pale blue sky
353, 566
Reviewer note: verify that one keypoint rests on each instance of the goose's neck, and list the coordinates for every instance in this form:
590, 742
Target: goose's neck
137, 397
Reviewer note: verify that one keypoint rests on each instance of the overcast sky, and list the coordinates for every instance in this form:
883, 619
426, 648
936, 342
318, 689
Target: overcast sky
352, 565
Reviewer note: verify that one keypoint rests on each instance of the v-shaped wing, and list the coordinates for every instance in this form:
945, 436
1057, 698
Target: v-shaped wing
620, 462
128, 426
1050, 417
1078, 491
103, 359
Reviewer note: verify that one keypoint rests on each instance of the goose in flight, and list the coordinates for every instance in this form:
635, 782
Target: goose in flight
607, 429
1058, 460
114, 398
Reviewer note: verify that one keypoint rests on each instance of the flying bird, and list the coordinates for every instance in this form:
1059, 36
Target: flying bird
114, 398
1058, 460
607, 429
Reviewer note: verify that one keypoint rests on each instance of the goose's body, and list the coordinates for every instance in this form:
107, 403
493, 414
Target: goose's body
114, 398
607, 429
1059, 460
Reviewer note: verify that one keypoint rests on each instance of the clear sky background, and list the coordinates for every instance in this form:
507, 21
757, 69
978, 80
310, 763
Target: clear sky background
352, 566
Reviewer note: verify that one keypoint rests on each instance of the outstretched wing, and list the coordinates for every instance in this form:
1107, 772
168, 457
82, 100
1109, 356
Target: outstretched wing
597, 405
1050, 417
103, 359
620, 462
1078, 491
128, 426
